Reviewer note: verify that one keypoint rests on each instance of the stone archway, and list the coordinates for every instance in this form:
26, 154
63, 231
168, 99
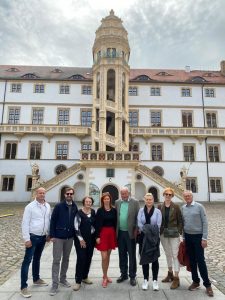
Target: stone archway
154, 192
113, 192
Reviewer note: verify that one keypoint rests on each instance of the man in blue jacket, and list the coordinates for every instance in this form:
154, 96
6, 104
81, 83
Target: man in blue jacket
62, 235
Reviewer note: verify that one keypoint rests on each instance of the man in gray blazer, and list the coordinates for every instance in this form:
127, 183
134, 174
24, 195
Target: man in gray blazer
127, 210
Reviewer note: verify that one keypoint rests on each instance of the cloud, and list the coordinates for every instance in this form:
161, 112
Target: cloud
162, 34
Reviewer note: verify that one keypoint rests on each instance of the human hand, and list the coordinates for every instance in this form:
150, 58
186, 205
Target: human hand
204, 244
83, 244
98, 241
28, 244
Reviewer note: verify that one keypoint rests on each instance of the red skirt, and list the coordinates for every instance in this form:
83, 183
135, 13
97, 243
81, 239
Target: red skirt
108, 239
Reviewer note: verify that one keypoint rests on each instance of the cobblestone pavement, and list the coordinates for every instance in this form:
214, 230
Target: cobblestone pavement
12, 248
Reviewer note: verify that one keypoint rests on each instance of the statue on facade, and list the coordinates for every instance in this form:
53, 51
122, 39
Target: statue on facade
183, 175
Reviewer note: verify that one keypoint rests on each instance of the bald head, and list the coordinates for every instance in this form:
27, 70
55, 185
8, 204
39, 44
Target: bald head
40, 194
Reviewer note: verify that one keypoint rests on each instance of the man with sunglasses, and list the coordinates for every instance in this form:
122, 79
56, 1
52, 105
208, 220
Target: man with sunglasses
62, 235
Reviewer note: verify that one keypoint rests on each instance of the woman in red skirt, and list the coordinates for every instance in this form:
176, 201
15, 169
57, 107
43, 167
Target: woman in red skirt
106, 220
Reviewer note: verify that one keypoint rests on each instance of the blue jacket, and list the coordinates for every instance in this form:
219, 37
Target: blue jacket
61, 224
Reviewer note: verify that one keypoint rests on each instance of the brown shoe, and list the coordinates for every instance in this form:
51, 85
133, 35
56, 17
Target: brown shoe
209, 291
175, 283
194, 286
169, 277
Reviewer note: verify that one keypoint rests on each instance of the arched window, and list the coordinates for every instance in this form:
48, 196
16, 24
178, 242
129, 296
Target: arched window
111, 76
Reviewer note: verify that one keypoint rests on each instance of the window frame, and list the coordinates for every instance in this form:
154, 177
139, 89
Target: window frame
17, 88
88, 119
28, 177
86, 90
38, 109
196, 184
192, 118
155, 124
2, 182
57, 143
153, 91
29, 154
16, 121
39, 88
88, 144
64, 89
194, 152
211, 119
213, 156
64, 121
132, 124
133, 91
184, 92
110, 173
210, 92
10, 142
157, 156
221, 185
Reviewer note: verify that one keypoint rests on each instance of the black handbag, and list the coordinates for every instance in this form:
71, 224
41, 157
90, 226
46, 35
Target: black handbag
171, 232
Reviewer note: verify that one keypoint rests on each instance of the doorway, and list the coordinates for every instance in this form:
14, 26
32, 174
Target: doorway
113, 192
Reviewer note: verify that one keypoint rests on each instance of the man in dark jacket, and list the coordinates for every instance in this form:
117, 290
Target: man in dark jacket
62, 235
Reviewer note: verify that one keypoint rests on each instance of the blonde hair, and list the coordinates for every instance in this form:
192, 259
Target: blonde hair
168, 189
148, 194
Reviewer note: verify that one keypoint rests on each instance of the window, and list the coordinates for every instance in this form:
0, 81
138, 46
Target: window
39, 88
156, 152
187, 119
64, 89
111, 52
191, 184
62, 150
14, 116
8, 183
63, 116
186, 92
29, 183
213, 153
10, 151
133, 118
133, 91
16, 88
189, 153
211, 119
210, 93
35, 150
155, 118
215, 185
86, 90
86, 146
38, 116
155, 91
110, 173
86, 118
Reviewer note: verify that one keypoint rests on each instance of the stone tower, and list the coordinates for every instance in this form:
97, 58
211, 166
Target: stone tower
110, 127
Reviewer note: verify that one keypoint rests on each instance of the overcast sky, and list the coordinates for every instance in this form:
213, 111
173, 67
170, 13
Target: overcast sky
162, 33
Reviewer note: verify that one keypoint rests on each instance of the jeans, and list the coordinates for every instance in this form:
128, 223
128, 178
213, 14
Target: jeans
197, 259
35, 251
127, 247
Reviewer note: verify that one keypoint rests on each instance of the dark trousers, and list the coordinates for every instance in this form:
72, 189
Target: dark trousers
35, 251
127, 247
84, 257
145, 268
197, 259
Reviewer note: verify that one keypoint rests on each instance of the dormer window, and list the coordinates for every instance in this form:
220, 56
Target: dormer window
56, 70
143, 78
77, 77
198, 79
30, 76
163, 74
13, 70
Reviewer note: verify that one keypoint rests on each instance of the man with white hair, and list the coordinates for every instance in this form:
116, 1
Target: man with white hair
35, 231
195, 237
127, 211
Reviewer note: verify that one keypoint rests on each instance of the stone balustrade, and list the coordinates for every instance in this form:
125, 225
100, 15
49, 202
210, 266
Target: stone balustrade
118, 156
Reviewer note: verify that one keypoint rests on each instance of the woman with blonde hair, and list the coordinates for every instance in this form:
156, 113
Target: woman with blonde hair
149, 222
106, 220
170, 231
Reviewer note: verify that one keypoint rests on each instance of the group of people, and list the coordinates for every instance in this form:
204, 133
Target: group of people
109, 227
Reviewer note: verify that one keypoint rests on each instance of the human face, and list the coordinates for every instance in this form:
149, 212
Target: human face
149, 201
69, 195
40, 195
188, 197
124, 194
168, 196
106, 201
87, 203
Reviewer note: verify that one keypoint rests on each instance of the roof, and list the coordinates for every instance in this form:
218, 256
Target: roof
136, 75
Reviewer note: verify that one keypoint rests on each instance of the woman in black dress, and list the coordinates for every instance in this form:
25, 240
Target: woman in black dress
84, 241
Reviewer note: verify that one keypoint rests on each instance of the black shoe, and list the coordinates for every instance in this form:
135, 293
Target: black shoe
133, 281
121, 279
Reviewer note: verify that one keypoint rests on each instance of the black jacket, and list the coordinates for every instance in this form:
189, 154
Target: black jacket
62, 224
150, 247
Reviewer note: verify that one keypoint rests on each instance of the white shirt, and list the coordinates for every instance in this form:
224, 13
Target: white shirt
36, 219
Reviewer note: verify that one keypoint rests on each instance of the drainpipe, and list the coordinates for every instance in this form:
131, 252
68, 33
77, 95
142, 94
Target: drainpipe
3, 106
206, 144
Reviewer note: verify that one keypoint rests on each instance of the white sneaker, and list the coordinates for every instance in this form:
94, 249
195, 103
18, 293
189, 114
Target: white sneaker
145, 285
155, 285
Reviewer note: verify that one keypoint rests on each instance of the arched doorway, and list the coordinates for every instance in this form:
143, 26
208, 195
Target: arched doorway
154, 192
113, 192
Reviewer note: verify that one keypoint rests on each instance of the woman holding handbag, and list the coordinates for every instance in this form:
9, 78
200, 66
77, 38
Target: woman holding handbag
170, 231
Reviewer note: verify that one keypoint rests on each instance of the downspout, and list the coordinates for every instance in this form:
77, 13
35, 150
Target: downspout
206, 143
3, 106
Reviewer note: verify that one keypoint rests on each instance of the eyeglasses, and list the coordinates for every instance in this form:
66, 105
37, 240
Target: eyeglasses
168, 195
69, 194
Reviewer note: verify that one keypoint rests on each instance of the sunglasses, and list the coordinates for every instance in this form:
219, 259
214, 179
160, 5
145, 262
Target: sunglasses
168, 194
69, 194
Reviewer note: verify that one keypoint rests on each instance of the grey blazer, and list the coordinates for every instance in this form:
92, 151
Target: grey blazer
133, 208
